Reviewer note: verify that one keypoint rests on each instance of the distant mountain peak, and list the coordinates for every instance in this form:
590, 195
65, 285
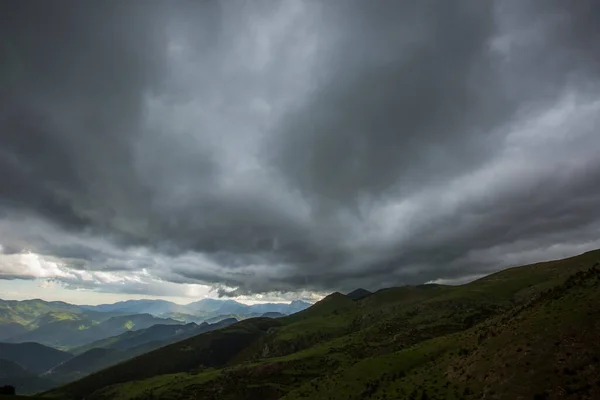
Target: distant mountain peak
358, 293
332, 296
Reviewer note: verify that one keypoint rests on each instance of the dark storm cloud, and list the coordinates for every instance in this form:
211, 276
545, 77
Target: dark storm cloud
406, 95
265, 147
74, 76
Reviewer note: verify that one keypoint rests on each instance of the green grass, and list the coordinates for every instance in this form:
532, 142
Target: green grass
26, 312
334, 303
162, 386
548, 346
212, 349
325, 326
103, 343
525, 332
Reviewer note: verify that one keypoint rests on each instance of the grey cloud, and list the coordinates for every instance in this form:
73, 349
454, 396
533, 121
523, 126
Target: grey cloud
305, 145
71, 106
406, 98
146, 289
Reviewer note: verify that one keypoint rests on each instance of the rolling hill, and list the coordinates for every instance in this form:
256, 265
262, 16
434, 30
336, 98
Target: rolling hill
24, 381
154, 307
358, 294
33, 357
11, 329
208, 350
66, 325
198, 311
25, 311
216, 309
111, 351
528, 332
77, 331
129, 339
18, 318
90, 361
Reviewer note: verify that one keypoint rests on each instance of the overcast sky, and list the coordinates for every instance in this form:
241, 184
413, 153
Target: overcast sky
287, 149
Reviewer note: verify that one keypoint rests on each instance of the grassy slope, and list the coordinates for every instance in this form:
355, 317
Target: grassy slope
212, 349
32, 314
124, 347
46, 322
70, 332
25, 312
17, 317
134, 338
546, 348
97, 359
34, 357
446, 342
24, 381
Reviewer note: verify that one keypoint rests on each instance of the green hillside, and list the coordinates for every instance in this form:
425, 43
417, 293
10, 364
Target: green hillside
56, 316
18, 317
34, 357
24, 381
528, 332
77, 330
25, 312
156, 333
208, 350
111, 351
45, 321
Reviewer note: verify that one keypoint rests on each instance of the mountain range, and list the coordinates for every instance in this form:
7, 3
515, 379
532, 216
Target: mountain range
526, 332
64, 325
46, 343
198, 310
79, 330
523, 333
110, 351
35, 367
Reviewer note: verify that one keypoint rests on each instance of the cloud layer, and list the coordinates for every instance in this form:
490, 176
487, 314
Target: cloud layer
312, 146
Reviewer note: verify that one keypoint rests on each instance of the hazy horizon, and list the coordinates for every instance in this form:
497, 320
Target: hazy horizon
97, 298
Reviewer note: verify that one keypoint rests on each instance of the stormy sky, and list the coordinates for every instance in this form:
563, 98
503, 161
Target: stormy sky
278, 150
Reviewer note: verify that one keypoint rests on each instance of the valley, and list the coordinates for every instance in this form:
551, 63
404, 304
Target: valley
45, 344
523, 333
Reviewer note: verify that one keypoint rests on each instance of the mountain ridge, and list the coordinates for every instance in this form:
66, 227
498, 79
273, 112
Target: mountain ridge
77, 332
32, 356
405, 342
